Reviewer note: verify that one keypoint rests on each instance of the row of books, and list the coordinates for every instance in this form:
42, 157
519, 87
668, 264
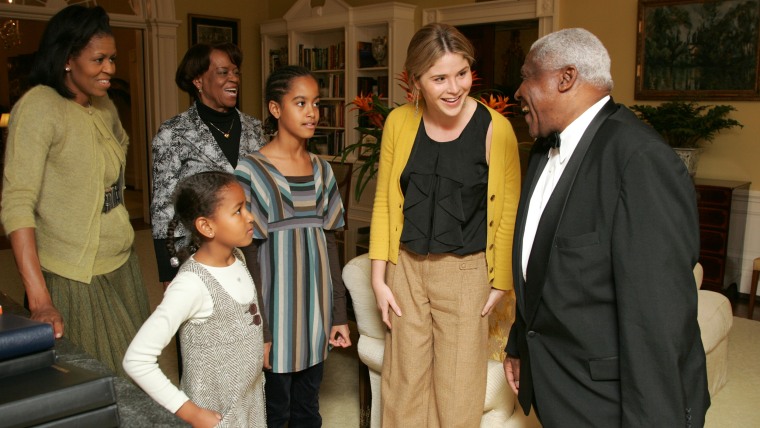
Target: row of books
327, 143
332, 115
332, 85
371, 85
36, 389
329, 58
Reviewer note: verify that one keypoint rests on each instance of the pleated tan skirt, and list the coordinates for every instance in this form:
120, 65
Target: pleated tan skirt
103, 316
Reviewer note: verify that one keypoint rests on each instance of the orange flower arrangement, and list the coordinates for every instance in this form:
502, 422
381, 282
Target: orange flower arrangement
369, 105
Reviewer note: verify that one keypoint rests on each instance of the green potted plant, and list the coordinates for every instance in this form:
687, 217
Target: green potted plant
686, 124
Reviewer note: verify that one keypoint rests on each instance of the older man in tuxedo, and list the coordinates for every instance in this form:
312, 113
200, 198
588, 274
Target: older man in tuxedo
606, 238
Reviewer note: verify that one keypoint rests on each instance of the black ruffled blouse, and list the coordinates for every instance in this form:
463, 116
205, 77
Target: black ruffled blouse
445, 186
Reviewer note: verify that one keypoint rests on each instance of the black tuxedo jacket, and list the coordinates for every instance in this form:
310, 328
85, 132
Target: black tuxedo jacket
606, 324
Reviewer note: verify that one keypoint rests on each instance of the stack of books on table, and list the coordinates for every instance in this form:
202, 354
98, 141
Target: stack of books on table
35, 390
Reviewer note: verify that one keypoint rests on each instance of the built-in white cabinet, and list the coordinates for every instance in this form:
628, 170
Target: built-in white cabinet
335, 42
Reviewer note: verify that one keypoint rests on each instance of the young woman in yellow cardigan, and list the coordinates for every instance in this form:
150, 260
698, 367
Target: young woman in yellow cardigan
441, 236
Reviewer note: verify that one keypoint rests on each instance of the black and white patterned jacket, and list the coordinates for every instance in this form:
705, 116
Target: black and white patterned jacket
184, 146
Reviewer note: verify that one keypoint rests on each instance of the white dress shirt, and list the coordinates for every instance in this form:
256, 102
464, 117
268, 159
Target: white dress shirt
555, 166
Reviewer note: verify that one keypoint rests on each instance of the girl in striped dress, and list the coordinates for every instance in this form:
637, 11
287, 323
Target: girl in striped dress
296, 206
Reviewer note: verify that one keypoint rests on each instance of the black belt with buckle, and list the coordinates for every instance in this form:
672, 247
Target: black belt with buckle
114, 195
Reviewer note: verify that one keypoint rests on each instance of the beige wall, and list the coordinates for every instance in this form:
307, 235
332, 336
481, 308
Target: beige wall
734, 155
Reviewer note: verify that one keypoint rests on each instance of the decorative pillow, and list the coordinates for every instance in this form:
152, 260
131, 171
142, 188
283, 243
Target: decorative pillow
499, 323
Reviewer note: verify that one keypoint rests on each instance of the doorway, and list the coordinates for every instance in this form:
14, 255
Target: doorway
500, 50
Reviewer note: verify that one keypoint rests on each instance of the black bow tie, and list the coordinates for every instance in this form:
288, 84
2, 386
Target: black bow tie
552, 141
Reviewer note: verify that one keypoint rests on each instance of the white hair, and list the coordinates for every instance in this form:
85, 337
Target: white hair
577, 47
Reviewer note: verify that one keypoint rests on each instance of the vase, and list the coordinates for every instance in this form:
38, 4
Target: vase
380, 50
690, 157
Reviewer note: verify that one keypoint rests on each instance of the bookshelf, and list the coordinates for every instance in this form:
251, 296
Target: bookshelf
326, 39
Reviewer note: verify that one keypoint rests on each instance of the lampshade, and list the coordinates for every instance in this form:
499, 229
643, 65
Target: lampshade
4, 118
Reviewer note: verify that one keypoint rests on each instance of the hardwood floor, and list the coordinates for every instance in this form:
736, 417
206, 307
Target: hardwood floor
740, 307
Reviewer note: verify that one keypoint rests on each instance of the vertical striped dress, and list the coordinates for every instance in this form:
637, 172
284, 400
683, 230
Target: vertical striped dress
290, 215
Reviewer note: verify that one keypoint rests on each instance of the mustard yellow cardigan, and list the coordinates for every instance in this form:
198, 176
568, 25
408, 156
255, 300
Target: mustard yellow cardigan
503, 192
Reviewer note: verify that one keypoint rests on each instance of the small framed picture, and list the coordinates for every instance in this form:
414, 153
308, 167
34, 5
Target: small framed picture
213, 29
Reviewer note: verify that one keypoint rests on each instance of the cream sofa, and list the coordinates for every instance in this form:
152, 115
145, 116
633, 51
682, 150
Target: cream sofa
501, 409
715, 318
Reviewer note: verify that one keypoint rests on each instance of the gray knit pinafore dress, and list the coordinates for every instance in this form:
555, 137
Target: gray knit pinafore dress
222, 356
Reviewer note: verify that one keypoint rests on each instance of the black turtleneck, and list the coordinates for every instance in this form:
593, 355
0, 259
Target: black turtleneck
220, 123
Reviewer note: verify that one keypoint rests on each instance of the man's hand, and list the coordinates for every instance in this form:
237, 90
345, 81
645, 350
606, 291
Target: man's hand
512, 372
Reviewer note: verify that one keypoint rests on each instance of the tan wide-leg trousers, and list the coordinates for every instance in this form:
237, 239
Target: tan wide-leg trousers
435, 361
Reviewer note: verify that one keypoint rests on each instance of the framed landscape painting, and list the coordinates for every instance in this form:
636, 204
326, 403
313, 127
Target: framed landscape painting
212, 29
698, 50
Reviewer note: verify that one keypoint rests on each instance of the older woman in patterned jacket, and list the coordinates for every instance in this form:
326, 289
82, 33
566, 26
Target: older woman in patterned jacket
211, 135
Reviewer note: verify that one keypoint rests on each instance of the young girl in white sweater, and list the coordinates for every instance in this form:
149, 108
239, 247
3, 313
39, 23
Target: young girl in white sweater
213, 303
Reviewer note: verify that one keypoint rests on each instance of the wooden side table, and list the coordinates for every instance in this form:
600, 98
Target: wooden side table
722, 220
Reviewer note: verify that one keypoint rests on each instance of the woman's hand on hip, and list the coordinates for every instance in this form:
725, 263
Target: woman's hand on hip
494, 297
198, 416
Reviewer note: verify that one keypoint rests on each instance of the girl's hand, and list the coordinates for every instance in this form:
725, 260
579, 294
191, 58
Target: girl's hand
198, 417
340, 336
267, 350
385, 299
493, 299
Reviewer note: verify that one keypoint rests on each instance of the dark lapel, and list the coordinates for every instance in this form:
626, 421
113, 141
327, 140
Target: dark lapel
536, 165
552, 215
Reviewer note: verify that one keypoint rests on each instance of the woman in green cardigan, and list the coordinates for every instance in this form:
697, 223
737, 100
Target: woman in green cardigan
62, 202
441, 236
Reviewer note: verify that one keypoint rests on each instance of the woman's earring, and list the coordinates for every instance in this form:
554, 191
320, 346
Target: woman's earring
68, 69
416, 96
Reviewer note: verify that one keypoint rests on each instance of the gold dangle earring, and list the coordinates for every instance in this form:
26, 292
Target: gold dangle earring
416, 96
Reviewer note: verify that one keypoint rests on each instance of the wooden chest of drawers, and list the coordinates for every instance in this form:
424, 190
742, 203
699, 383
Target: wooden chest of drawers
722, 220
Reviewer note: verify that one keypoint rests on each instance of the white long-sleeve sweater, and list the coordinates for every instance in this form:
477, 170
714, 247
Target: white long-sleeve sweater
186, 299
